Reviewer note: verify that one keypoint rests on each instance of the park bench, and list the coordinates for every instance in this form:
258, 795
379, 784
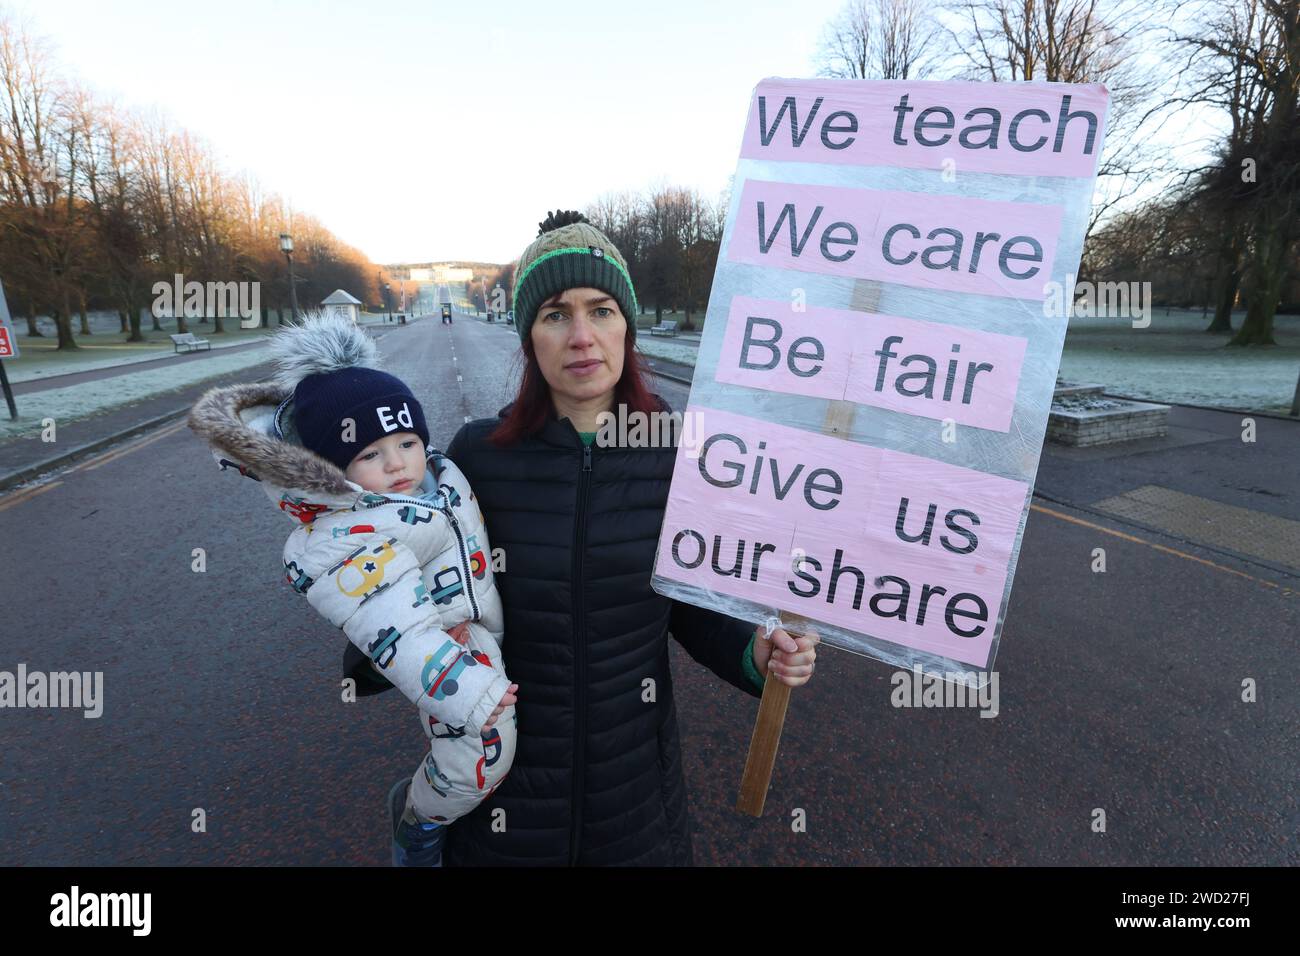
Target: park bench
664, 328
189, 343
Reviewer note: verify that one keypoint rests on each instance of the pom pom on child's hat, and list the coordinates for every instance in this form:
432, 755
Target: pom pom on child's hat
330, 365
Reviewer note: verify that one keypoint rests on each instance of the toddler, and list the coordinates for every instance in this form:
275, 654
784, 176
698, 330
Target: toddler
390, 546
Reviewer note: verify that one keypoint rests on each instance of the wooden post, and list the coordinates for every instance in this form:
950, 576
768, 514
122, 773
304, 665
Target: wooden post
756, 779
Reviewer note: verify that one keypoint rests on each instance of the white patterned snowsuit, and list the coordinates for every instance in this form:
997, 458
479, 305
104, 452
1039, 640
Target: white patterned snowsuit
395, 572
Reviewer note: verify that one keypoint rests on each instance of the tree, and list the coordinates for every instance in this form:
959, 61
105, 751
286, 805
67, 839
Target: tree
879, 40
98, 203
41, 152
1272, 195
112, 183
1074, 41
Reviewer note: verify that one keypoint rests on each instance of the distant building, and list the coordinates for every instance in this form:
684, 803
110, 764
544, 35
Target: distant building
439, 273
338, 303
451, 273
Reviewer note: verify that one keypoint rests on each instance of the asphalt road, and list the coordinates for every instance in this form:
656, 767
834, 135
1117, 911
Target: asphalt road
1118, 691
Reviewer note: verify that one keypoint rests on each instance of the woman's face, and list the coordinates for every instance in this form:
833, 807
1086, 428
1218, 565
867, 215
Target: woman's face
578, 339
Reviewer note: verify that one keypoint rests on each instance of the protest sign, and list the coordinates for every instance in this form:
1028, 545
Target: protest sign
877, 364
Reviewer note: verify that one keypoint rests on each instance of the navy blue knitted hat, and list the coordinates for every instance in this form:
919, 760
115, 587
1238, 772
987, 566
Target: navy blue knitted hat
341, 402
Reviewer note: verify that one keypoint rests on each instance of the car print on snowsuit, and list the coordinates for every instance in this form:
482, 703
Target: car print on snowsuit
298, 579
354, 529
441, 669
478, 565
385, 643
446, 585
437, 779
444, 731
301, 509
413, 515
491, 754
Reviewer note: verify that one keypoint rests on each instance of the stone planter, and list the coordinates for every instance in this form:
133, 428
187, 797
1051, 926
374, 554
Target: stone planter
1081, 415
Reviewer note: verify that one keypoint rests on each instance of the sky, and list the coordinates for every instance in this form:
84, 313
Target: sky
420, 131
428, 131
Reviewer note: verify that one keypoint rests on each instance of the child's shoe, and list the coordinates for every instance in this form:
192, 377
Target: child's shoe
415, 843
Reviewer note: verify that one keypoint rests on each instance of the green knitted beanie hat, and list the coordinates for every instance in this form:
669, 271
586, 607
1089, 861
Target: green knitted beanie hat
570, 255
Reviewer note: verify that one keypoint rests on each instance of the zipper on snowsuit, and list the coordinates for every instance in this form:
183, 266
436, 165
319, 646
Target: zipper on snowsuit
579, 655
461, 549
464, 561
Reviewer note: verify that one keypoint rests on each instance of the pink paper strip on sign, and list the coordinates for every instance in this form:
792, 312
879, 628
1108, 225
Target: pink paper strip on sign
916, 239
1027, 129
765, 332
870, 584
782, 472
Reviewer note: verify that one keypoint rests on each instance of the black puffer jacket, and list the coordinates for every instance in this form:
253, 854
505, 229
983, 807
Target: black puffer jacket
597, 778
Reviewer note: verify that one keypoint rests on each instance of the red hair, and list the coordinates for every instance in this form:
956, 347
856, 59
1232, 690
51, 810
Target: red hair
532, 405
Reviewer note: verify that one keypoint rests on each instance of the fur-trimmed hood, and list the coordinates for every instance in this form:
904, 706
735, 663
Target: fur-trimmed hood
250, 428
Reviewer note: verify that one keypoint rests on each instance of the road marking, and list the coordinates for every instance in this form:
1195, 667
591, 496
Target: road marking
30, 493
93, 463
1160, 547
90, 464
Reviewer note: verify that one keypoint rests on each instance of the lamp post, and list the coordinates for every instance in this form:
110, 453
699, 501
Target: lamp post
286, 246
388, 302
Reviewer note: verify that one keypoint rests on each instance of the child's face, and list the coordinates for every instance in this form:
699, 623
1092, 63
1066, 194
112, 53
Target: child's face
392, 464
